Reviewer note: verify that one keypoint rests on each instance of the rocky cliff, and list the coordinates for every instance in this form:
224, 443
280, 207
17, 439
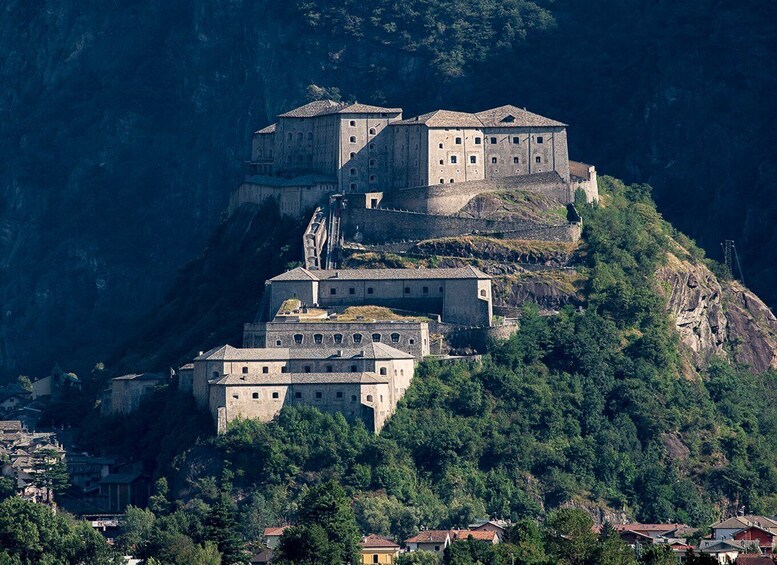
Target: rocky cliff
718, 318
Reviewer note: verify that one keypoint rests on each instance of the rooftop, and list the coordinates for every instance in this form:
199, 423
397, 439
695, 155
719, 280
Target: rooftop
366, 351
268, 129
430, 536
512, 116
327, 107
299, 273
275, 379
142, 377
443, 119
375, 541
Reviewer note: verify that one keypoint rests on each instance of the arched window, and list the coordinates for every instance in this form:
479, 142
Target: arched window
338, 338
352, 139
318, 338
353, 155
298, 338
357, 338
383, 370
369, 398
245, 370
395, 338
372, 131
442, 181
452, 181
310, 136
483, 292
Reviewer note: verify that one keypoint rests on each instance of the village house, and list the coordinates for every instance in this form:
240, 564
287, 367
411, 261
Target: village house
429, 540
379, 549
127, 392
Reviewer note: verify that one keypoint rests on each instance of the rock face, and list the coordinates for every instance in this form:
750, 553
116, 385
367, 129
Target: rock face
714, 318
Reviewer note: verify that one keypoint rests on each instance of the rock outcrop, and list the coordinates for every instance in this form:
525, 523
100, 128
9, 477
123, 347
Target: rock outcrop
717, 318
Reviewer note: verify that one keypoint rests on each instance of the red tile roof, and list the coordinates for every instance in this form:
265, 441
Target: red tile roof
375, 541
479, 535
430, 536
276, 531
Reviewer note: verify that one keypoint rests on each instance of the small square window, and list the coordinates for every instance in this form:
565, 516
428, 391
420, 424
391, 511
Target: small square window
307, 368
516, 160
339, 394
493, 141
351, 290
297, 395
276, 395
370, 290
332, 291
278, 343
540, 139
354, 369
265, 370
319, 395
357, 338
516, 140
338, 338
245, 370
329, 368
353, 398
255, 395
454, 159
477, 141
318, 338
473, 159
407, 290
352, 123
352, 139
458, 141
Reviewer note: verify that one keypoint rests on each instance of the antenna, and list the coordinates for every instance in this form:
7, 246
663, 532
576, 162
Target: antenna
729, 255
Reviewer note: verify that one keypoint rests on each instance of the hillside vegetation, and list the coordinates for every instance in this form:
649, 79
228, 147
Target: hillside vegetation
596, 408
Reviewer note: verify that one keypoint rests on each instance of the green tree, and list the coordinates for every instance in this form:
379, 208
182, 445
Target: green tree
158, 502
7, 487
51, 472
569, 536
419, 558
657, 555
135, 529
221, 528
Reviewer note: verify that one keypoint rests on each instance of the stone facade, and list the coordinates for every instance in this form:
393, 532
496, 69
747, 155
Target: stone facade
361, 383
462, 296
129, 390
408, 336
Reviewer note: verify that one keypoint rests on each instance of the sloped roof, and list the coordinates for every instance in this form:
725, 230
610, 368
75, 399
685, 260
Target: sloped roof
477, 535
512, 116
468, 272
279, 379
326, 107
638, 527
275, 531
268, 129
443, 119
366, 351
375, 541
10, 425
430, 536
142, 377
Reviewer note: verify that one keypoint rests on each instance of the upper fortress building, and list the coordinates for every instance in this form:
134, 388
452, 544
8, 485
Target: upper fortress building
327, 147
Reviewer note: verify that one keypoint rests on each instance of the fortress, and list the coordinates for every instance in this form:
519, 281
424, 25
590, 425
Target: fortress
347, 340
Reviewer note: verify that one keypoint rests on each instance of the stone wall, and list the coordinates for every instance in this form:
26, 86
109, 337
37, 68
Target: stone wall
583, 177
515, 151
448, 199
381, 226
292, 200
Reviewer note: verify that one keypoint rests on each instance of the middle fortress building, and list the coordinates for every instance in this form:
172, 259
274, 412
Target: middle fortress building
345, 341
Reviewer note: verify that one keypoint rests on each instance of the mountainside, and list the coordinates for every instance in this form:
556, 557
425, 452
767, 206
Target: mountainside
123, 125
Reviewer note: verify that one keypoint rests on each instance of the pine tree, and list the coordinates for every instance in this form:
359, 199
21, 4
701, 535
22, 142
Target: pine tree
221, 528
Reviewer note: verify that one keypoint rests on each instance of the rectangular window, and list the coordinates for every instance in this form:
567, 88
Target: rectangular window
370, 290
265, 370
516, 140
332, 291
319, 395
493, 159
493, 141
473, 159
454, 159
351, 290
407, 290
477, 141
458, 141
538, 159
516, 160
540, 139
426, 290
339, 394
297, 395
255, 395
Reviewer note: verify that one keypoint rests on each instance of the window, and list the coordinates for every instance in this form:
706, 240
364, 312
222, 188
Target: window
454, 159
369, 398
425, 290
299, 136
473, 159
329, 368
442, 161
265, 370
351, 290
373, 162
255, 395
540, 139
372, 131
307, 368
407, 290
353, 186
493, 141
297, 338
437, 548
375, 558
297, 395
339, 394
278, 343
538, 159
442, 181
284, 369
338, 338
477, 141
332, 291
493, 159
452, 181
353, 398
310, 136
383, 370
373, 178
353, 172
319, 394
354, 369
275, 395
516, 139
318, 338
352, 123
411, 341
261, 152
352, 139
458, 141
370, 290
376, 338
245, 370
352, 155
440, 145
395, 338
483, 292
236, 396
372, 146
357, 338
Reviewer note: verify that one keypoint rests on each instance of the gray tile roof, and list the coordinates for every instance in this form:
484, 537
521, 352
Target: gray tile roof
366, 351
326, 107
142, 377
298, 274
276, 379
500, 117
268, 129
444, 119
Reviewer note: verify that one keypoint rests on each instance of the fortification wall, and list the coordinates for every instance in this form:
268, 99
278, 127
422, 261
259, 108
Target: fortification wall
583, 177
382, 225
448, 199
292, 200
